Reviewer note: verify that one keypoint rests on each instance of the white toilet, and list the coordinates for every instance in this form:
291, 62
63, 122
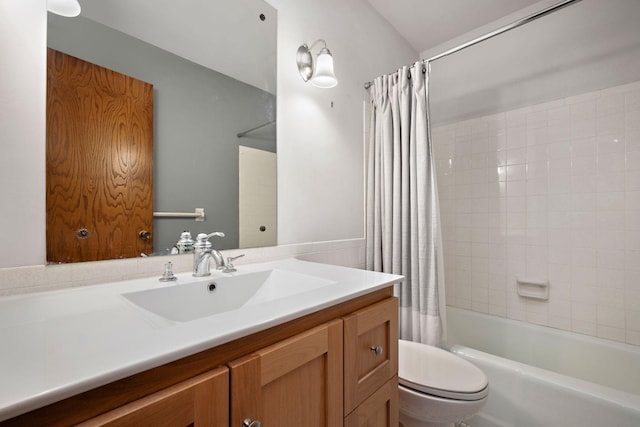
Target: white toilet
437, 388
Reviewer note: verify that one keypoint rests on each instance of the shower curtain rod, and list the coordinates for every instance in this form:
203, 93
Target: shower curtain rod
494, 33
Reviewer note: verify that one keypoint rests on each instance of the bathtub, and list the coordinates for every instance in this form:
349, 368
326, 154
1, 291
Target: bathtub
545, 377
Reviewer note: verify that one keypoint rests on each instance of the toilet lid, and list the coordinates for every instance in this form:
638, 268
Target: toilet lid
434, 371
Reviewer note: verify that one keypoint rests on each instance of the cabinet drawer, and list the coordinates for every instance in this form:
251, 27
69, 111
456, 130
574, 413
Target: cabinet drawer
370, 351
379, 410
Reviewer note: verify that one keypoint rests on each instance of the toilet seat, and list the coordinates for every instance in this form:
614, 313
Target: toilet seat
431, 370
445, 394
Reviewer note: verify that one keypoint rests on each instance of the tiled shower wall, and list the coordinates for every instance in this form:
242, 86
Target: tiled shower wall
547, 192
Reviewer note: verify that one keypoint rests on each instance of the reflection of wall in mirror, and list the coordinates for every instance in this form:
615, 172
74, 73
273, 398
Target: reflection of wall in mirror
257, 194
198, 114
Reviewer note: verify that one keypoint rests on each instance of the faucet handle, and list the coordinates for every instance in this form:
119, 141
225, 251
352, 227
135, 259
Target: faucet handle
202, 237
168, 276
228, 267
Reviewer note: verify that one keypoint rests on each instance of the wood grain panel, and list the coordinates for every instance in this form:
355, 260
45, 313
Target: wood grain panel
246, 394
286, 356
379, 410
294, 382
202, 401
99, 161
298, 398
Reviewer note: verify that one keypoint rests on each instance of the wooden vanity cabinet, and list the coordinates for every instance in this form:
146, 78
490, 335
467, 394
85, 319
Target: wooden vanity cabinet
297, 382
202, 401
316, 370
301, 381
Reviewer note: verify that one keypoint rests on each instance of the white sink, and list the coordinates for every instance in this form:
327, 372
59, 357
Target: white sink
190, 301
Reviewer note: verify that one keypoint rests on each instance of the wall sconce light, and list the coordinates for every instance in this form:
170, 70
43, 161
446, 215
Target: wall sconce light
68, 8
320, 75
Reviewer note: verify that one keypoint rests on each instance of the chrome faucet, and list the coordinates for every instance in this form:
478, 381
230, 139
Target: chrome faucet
203, 252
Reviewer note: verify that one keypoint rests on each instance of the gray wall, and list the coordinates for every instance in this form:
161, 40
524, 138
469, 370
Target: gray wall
197, 116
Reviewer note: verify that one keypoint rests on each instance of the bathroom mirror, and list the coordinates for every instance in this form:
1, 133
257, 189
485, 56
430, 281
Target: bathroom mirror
213, 68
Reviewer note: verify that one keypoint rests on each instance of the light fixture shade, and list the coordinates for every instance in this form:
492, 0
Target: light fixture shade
324, 76
68, 8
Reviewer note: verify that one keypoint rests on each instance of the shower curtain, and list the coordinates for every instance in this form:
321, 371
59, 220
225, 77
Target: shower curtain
403, 223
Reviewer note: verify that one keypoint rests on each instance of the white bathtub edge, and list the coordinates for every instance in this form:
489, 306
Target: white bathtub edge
612, 396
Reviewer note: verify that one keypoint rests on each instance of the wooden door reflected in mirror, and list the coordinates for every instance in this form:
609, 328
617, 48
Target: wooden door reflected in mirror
99, 162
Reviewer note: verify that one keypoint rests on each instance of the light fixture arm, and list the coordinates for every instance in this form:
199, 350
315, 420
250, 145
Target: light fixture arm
324, 43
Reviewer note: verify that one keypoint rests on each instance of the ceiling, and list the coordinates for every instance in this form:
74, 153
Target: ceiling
587, 46
423, 23
428, 23
567, 52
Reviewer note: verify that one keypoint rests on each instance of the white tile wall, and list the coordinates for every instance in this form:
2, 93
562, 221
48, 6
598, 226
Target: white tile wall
348, 253
552, 192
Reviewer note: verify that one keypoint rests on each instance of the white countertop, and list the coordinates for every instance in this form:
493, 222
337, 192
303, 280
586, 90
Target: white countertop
57, 344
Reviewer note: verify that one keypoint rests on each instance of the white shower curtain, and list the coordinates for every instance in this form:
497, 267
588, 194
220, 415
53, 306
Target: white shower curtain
403, 223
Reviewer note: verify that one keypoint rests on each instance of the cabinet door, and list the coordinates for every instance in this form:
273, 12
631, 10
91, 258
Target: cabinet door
295, 382
370, 351
202, 401
379, 410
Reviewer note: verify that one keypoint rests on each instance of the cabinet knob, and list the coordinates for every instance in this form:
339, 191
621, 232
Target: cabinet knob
377, 349
248, 422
